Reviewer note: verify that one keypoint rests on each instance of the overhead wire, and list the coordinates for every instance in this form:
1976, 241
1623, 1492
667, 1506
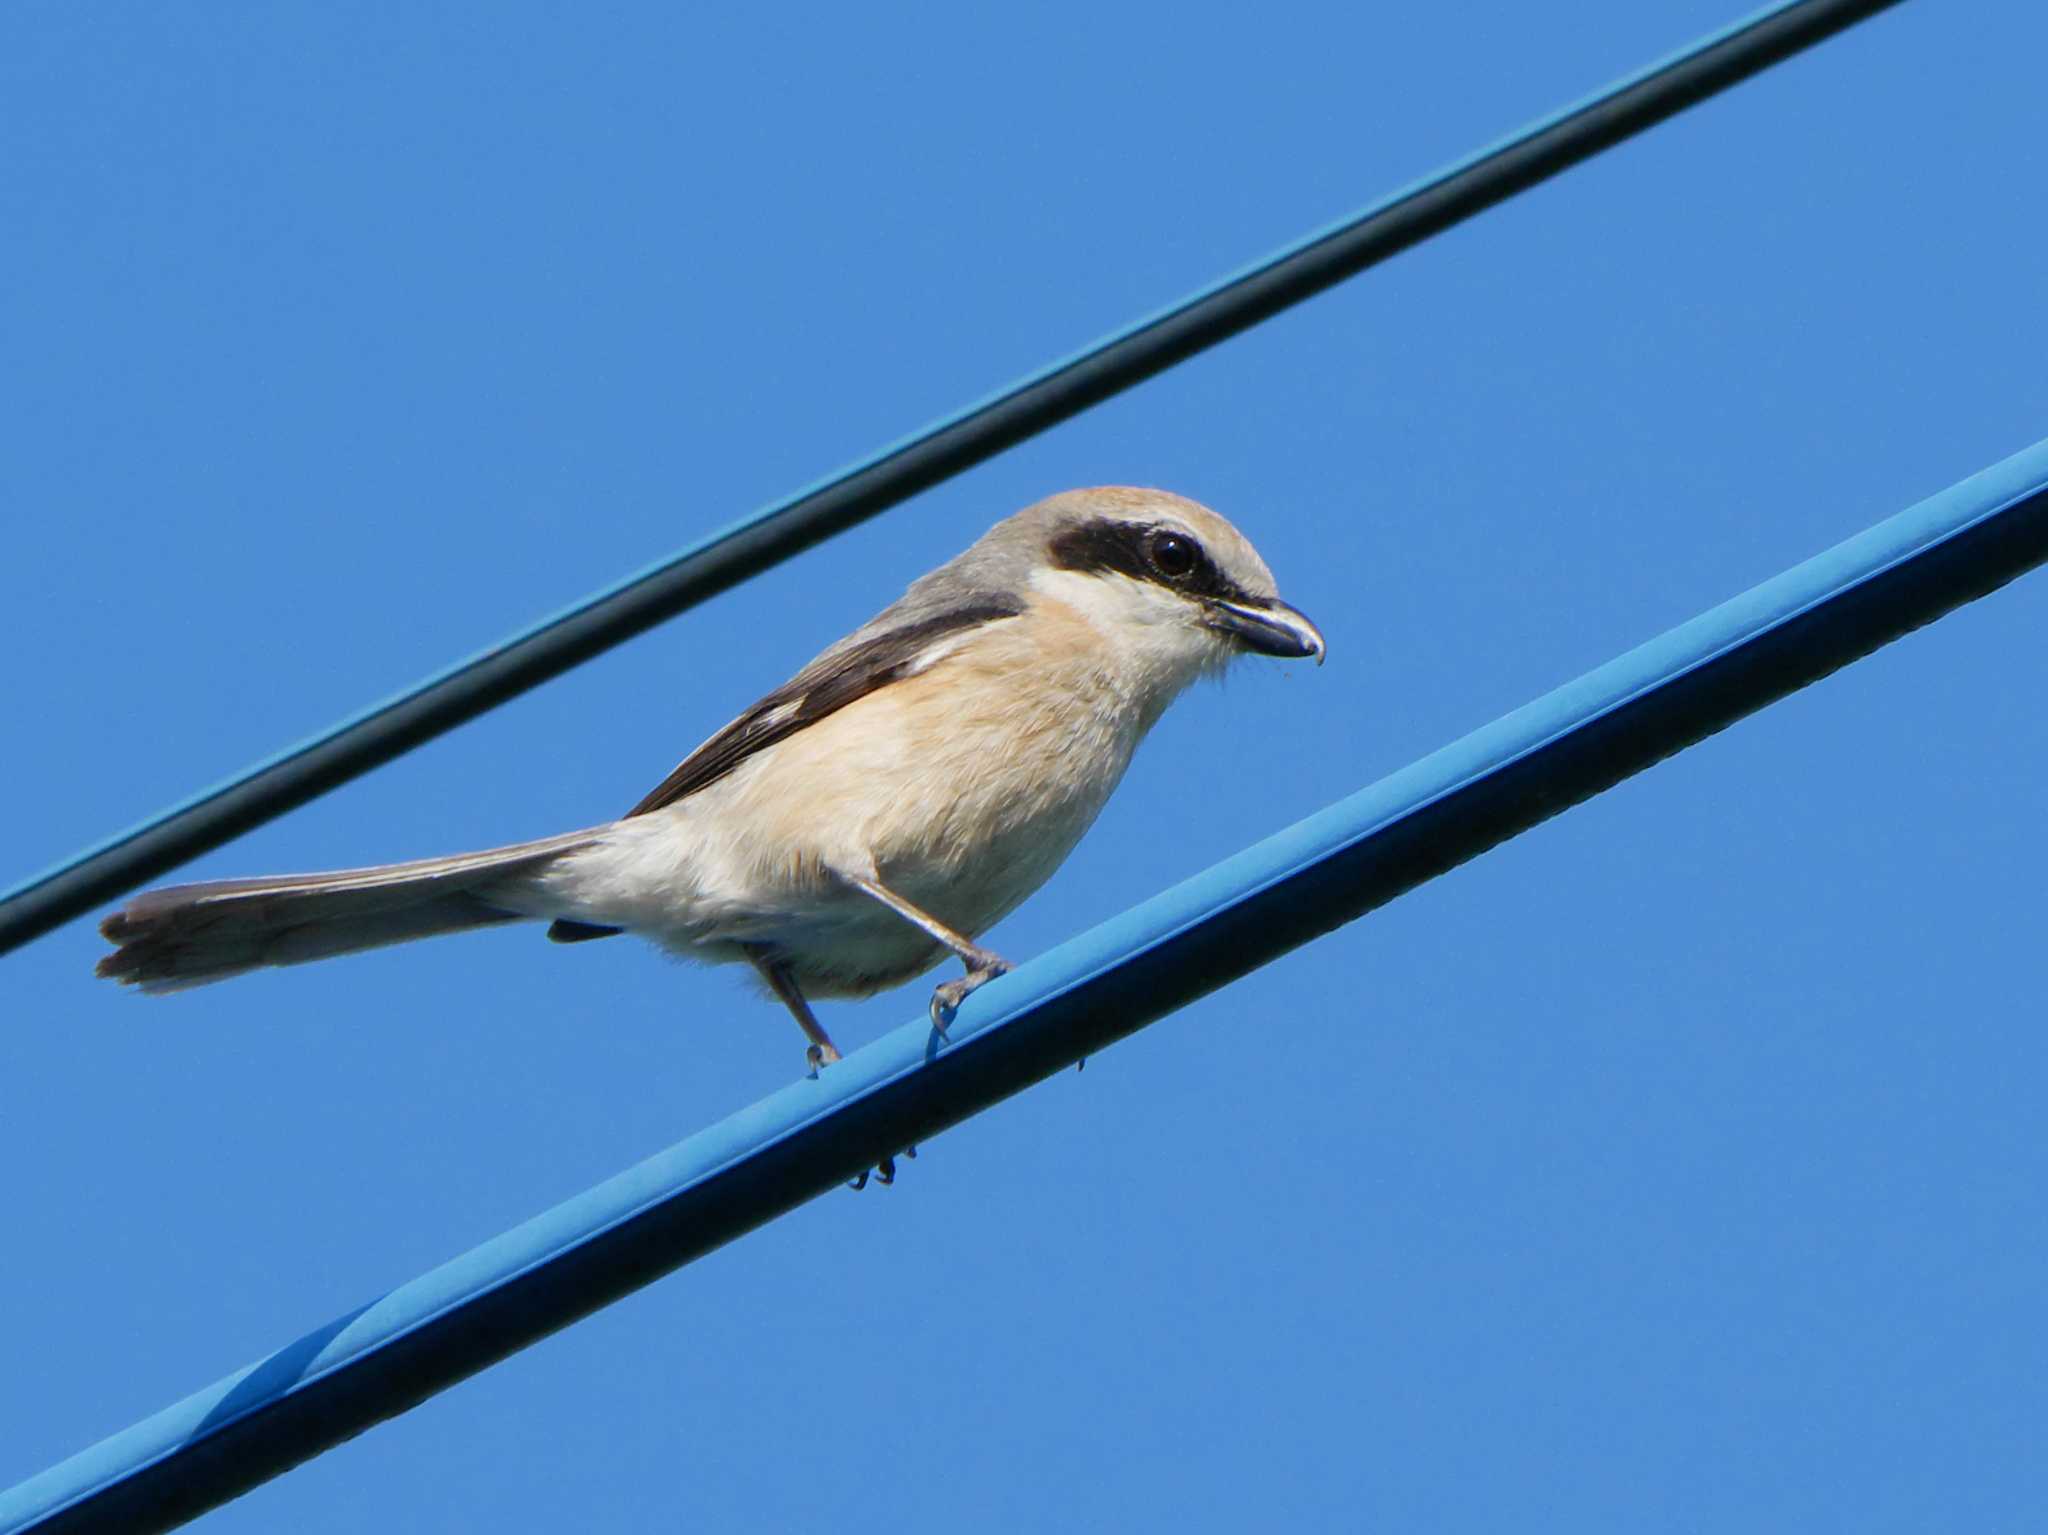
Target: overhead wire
1054, 393
1354, 856
1331, 868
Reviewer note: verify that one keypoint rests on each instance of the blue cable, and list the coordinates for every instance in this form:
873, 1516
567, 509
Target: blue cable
1069, 1003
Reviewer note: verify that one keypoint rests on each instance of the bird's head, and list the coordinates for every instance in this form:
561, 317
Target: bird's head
1174, 586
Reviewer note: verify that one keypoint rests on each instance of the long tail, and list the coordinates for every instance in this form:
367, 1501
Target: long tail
190, 935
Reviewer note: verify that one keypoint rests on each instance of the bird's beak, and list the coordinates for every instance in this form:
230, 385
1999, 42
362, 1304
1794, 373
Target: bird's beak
1269, 626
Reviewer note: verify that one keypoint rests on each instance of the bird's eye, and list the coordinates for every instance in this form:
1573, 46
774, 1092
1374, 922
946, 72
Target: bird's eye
1174, 555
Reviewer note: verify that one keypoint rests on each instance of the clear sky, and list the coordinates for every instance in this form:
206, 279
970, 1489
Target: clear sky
1678, 1165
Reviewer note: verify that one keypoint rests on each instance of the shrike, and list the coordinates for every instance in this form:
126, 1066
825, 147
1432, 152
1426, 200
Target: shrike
894, 799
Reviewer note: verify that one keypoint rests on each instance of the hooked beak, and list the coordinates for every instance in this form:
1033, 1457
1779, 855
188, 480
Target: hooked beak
1268, 626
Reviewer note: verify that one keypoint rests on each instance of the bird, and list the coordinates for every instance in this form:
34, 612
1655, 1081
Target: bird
878, 812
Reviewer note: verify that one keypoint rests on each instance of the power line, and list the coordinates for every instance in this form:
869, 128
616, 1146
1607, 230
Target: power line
1042, 400
1335, 866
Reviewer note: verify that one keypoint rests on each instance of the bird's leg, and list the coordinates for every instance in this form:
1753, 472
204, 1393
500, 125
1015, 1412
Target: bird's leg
822, 1051
776, 973
982, 966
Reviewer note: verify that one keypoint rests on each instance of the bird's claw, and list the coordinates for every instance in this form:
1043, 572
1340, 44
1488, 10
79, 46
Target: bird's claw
884, 1174
818, 1057
948, 995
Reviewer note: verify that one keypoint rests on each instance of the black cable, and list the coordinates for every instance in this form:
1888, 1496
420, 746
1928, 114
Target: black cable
1040, 402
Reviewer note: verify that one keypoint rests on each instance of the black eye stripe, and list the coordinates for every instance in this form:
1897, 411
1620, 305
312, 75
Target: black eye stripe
1102, 546
1105, 546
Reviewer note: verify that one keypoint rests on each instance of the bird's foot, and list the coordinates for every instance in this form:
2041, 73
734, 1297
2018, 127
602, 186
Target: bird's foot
885, 1174
818, 1057
982, 967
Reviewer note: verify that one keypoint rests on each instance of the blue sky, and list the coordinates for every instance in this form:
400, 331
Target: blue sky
1678, 1163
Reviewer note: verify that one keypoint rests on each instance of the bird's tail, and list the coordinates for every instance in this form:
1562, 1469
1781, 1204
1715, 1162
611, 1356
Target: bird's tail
189, 935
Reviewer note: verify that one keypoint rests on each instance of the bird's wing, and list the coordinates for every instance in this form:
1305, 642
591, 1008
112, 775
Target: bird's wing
844, 673
853, 668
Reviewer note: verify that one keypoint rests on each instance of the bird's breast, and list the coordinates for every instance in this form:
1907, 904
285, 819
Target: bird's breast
1012, 779
963, 786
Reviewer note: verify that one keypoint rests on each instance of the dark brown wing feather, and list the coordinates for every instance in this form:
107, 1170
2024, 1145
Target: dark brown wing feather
824, 687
